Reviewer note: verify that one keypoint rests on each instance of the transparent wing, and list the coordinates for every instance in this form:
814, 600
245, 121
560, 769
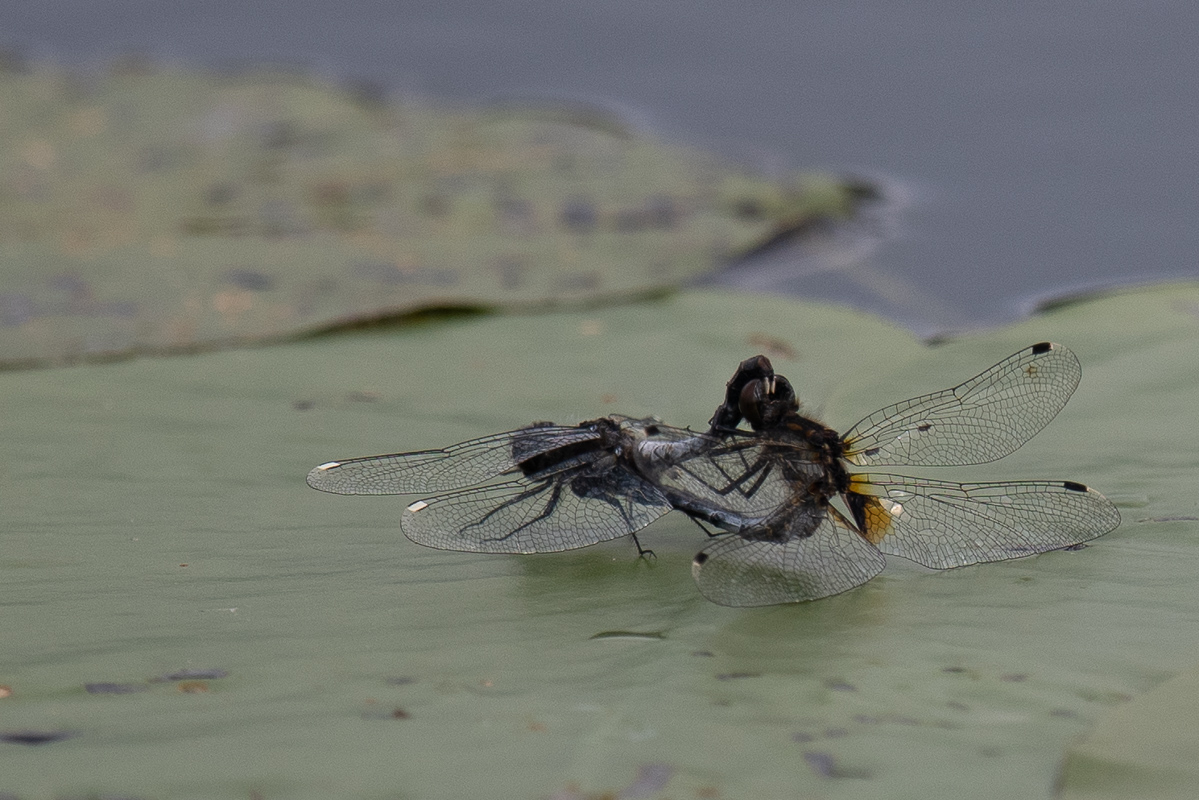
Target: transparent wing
459, 465
943, 525
572, 508
736, 571
982, 420
740, 472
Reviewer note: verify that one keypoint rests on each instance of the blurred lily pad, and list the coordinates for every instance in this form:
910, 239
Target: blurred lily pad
156, 519
146, 209
1147, 748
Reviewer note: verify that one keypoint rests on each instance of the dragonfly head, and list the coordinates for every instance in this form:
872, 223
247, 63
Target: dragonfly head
728, 414
766, 401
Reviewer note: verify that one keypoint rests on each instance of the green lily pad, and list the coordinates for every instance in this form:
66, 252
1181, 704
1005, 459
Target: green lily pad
158, 533
146, 210
1147, 748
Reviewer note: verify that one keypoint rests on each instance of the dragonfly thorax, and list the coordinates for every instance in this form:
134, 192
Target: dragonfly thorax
813, 453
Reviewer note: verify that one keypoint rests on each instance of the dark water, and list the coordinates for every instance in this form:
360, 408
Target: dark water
1038, 150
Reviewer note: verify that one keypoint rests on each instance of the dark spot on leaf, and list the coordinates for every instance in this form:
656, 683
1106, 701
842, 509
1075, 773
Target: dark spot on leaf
662, 212
401, 680
825, 765
822, 764
628, 635
35, 737
249, 279
436, 205
114, 688
578, 216
651, 779
280, 134
15, 309
196, 674
219, 194
748, 209
511, 271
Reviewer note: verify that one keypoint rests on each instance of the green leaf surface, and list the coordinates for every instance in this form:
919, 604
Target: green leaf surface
148, 210
1147, 748
156, 521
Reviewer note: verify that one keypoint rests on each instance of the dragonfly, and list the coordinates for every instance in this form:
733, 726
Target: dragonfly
771, 492
539, 489
542, 488
774, 495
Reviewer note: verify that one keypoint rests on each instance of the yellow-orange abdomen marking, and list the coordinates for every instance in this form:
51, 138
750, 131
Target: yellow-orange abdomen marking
878, 514
878, 519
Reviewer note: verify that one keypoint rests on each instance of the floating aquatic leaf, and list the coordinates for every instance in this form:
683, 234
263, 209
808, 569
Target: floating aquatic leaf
166, 210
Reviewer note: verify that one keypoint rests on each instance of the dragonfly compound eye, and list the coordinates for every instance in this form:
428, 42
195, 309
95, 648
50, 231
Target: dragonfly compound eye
753, 395
782, 393
764, 402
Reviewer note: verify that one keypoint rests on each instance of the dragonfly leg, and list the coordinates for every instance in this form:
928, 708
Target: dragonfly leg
704, 528
643, 552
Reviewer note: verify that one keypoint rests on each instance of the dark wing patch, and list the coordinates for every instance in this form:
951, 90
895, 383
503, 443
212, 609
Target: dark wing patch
982, 420
942, 525
459, 465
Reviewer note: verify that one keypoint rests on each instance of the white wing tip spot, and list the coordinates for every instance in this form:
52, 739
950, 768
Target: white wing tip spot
329, 465
419, 505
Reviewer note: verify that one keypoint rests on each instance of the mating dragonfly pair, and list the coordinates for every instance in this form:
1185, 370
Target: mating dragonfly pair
794, 518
